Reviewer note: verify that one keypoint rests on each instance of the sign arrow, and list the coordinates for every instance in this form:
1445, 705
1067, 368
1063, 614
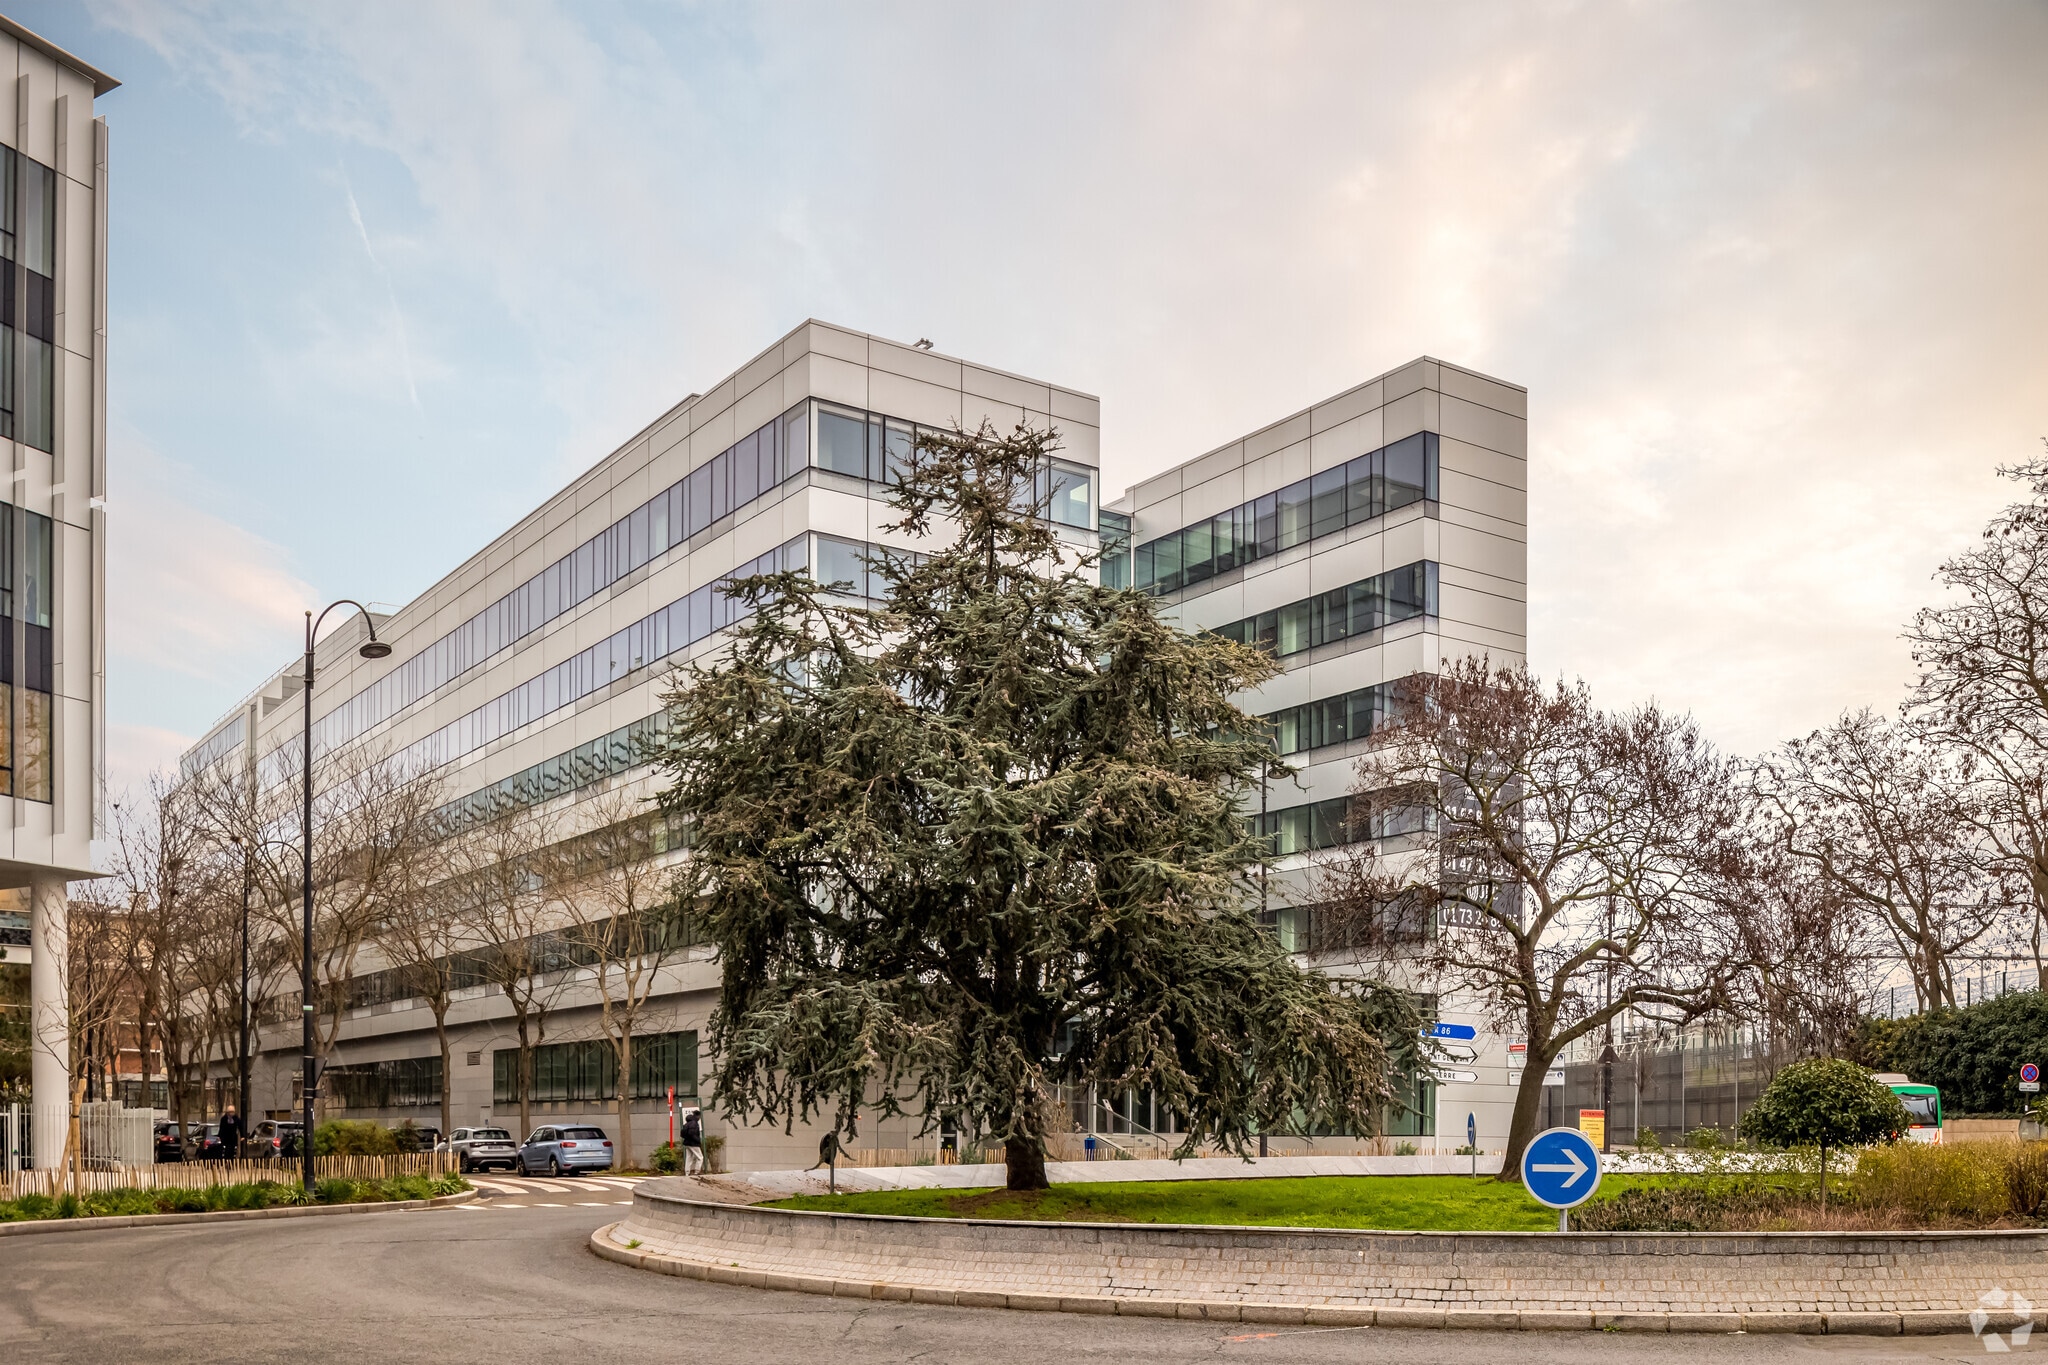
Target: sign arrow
1576, 1167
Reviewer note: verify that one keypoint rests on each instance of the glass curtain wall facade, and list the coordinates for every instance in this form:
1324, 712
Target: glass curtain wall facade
28, 300
27, 540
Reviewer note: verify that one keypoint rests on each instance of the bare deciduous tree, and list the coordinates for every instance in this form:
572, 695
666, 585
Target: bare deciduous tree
622, 902
1560, 863
1983, 689
1883, 817
503, 877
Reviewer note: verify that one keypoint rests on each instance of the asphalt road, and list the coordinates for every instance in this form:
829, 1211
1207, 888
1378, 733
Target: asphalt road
509, 1285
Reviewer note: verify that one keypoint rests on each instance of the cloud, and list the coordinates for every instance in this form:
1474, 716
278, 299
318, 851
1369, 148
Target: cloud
1772, 276
192, 598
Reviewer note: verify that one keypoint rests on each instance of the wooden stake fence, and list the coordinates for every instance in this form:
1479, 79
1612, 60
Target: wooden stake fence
173, 1175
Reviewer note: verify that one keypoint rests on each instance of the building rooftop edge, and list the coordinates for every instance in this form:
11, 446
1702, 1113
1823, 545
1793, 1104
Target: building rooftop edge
1124, 502
667, 414
101, 81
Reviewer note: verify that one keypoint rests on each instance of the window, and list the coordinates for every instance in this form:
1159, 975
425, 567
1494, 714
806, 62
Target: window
27, 680
1069, 495
588, 1071
400, 1083
1356, 609
28, 241
1115, 568
843, 442
1372, 485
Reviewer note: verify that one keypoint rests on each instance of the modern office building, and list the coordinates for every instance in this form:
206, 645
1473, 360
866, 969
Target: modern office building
1378, 534
53, 431
1394, 511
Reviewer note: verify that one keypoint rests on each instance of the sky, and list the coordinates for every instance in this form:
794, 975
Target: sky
383, 277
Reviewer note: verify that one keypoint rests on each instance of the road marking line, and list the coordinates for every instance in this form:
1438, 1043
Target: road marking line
551, 1206
590, 1204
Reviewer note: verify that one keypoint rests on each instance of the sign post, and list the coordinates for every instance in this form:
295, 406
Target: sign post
1561, 1169
1472, 1141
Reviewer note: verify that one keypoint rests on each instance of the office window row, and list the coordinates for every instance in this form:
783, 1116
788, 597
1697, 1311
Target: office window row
215, 746
756, 464
28, 297
753, 466
1333, 720
589, 763
1342, 613
587, 1072
27, 666
675, 627
1316, 825
1374, 484
871, 446
398, 1083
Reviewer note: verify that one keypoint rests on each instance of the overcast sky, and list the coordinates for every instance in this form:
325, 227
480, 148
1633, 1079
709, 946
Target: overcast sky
386, 276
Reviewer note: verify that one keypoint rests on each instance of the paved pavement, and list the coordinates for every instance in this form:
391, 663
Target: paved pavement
510, 1282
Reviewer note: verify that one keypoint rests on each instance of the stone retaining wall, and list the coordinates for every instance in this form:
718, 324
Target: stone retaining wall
1669, 1281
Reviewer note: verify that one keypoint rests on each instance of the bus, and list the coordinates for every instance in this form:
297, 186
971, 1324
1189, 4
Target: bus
1923, 1105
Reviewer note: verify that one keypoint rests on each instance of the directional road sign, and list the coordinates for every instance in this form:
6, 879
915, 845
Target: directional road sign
1463, 1032
1459, 1052
1561, 1167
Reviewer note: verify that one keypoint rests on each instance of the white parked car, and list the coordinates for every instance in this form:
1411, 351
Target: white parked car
477, 1149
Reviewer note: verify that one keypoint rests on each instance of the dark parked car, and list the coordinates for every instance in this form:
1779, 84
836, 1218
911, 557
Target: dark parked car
272, 1139
416, 1137
566, 1151
170, 1141
204, 1143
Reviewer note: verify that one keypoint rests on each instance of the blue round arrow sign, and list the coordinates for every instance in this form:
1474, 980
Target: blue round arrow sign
1561, 1167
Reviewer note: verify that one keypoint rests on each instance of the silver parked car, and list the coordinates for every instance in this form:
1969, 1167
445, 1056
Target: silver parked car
565, 1151
478, 1149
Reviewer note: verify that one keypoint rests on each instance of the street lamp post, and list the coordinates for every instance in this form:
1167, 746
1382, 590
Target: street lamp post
373, 648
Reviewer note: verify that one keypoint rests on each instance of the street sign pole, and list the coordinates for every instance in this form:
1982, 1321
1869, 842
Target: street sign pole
1472, 1141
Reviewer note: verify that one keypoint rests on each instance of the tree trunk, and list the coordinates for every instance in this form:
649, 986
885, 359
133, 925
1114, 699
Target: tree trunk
625, 1090
1522, 1126
524, 1081
447, 1060
1024, 1164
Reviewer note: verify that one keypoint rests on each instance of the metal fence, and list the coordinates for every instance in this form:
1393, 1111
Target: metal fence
1896, 1002
1669, 1085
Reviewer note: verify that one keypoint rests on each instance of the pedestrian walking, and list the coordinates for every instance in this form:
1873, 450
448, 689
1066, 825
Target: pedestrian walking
693, 1141
230, 1133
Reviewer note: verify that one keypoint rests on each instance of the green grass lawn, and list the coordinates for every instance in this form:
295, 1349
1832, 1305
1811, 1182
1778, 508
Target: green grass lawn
1401, 1202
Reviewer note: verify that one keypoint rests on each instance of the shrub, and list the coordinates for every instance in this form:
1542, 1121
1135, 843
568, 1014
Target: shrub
666, 1159
1706, 1139
1972, 1055
1648, 1141
335, 1191
714, 1152
1968, 1181
1693, 1206
353, 1137
1404, 1149
408, 1138
2026, 1180
1824, 1103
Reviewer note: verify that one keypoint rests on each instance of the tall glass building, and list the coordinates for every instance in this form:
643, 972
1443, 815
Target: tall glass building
53, 432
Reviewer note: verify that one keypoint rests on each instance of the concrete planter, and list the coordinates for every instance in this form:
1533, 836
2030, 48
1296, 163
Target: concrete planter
1800, 1282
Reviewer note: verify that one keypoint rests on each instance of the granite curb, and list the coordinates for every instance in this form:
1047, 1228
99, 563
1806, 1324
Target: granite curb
157, 1220
1905, 1323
